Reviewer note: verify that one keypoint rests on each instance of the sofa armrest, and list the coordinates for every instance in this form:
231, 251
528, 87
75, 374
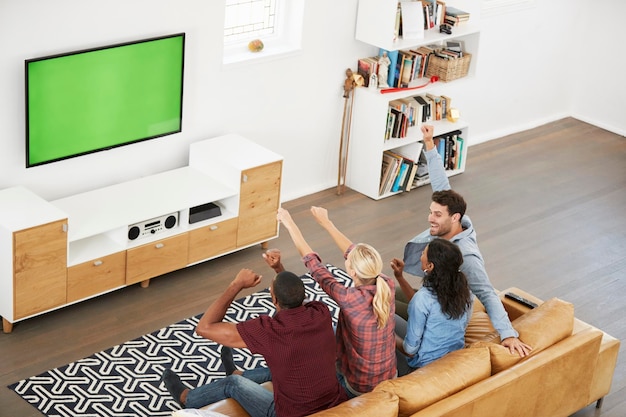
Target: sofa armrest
605, 363
512, 307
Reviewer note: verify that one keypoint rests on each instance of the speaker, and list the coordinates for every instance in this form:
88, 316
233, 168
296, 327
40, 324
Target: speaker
152, 226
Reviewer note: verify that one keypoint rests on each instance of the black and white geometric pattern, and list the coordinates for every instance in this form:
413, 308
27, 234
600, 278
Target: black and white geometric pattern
123, 381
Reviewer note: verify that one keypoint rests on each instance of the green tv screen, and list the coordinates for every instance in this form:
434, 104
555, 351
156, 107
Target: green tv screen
91, 100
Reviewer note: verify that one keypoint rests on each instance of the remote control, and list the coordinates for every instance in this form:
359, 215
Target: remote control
520, 300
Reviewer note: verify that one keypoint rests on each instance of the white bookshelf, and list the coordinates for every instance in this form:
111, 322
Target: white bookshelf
375, 26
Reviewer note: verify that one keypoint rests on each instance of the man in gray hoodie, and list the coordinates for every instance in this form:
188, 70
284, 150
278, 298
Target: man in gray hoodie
448, 220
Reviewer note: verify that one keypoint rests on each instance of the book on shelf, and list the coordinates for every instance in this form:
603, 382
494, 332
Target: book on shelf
436, 105
440, 12
446, 104
396, 33
391, 120
397, 122
429, 12
425, 107
399, 180
455, 46
410, 181
388, 166
441, 148
398, 71
456, 12
395, 161
366, 67
460, 145
407, 69
412, 20
450, 152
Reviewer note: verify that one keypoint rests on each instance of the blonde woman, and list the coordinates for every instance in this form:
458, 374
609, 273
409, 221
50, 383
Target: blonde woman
365, 329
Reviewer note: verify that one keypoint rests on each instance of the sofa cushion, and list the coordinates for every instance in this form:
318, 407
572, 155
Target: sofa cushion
479, 326
540, 328
371, 404
439, 379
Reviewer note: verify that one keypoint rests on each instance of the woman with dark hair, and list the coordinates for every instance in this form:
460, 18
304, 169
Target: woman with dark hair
438, 312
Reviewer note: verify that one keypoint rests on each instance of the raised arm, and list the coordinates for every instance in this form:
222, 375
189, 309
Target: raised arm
285, 219
321, 216
211, 325
398, 268
436, 171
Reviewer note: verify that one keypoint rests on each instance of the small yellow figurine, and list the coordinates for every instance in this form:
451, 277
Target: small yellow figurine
256, 45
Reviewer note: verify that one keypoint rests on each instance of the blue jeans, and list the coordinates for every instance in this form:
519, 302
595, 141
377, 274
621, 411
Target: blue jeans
246, 390
344, 384
402, 360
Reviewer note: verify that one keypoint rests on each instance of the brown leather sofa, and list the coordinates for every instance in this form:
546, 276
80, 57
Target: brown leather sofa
570, 367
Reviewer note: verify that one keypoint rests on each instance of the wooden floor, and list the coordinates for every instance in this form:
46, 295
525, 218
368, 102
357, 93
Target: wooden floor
548, 205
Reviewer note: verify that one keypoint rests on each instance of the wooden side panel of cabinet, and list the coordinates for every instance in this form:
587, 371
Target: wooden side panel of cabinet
156, 258
39, 268
259, 200
213, 240
97, 276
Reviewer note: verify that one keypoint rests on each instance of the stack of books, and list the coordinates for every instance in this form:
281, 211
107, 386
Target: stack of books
454, 16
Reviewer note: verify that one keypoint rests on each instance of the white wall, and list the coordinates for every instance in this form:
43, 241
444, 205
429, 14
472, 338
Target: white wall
528, 74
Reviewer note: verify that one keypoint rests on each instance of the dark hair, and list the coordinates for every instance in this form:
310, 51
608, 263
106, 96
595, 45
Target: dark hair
288, 290
452, 200
446, 280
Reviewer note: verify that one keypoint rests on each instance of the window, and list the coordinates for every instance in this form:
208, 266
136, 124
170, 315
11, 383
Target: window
278, 23
495, 7
248, 19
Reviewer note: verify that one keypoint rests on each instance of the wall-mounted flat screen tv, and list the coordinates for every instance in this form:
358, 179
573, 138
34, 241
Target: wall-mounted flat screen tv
91, 100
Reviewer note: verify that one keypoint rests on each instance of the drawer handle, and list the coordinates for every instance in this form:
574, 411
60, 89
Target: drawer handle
214, 227
159, 245
97, 263
245, 178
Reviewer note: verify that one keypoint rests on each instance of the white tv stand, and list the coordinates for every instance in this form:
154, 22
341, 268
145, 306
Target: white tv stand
78, 247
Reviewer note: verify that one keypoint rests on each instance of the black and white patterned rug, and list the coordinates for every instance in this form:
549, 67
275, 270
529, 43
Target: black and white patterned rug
123, 381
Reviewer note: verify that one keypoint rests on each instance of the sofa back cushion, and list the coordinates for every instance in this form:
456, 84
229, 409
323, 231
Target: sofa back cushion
439, 379
540, 328
371, 404
479, 327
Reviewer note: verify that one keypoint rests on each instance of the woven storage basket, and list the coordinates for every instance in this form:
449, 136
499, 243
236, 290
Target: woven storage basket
448, 69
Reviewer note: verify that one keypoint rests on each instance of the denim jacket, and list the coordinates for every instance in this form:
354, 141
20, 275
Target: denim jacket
473, 264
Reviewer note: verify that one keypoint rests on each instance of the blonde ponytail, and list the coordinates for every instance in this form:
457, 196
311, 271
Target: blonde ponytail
368, 264
382, 302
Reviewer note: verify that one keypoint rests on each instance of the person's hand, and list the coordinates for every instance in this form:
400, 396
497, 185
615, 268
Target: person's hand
272, 259
320, 214
284, 217
516, 346
428, 131
247, 278
398, 267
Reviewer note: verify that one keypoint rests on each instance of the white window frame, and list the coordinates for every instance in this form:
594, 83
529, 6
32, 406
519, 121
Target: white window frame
286, 39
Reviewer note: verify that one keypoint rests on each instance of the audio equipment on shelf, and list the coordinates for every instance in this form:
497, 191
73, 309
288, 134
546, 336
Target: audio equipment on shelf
152, 226
203, 212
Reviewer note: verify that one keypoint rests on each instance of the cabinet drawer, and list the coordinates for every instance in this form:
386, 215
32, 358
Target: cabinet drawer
40, 268
258, 203
93, 277
212, 240
156, 258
